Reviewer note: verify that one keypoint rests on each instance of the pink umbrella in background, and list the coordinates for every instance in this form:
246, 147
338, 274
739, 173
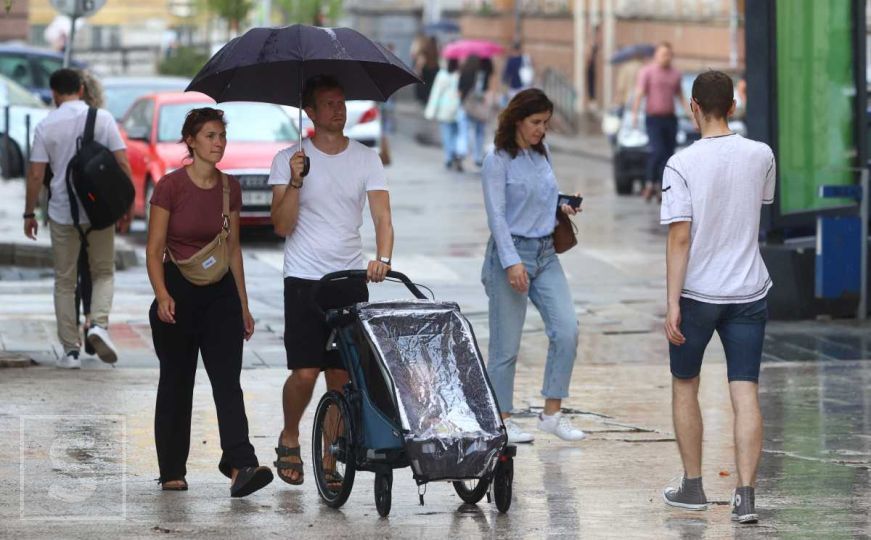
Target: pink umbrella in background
464, 48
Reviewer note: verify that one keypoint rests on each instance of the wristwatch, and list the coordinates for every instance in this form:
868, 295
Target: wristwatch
29, 215
385, 260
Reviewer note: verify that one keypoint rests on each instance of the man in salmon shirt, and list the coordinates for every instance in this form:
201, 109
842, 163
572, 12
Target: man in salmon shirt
659, 85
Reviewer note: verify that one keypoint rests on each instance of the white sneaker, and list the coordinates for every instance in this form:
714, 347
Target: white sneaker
515, 434
69, 361
560, 426
99, 338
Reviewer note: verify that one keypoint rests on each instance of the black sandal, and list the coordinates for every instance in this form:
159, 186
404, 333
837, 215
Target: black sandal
182, 487
249, 480
286, 451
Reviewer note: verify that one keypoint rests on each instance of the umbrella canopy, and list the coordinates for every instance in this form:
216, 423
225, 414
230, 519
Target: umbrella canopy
638, 50
467, 47
271, 64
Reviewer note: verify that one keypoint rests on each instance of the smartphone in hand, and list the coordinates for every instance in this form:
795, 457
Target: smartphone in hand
571, 200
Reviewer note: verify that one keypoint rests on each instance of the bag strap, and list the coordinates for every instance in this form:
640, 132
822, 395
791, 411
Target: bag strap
225, 211
89, 125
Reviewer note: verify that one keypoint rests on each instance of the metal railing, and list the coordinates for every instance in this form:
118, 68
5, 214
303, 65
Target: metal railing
563, 95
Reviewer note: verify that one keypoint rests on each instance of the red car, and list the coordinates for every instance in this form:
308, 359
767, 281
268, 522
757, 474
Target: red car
255, 133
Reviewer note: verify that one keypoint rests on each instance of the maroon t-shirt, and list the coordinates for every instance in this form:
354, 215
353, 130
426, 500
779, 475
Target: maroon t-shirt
194, 213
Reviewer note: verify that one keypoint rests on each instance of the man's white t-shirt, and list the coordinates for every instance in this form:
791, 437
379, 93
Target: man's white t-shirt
327, 234
720, 184
54, 142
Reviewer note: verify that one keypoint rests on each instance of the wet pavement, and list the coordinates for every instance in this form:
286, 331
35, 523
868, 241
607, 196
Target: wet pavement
76, 448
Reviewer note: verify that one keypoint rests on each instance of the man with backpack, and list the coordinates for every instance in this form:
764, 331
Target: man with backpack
56, 143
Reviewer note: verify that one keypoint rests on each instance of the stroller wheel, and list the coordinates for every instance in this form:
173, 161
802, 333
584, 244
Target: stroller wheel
383, 488
472, 491
502, 483
332, 450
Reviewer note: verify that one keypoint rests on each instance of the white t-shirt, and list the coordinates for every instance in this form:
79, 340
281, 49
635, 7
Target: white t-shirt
327, 234
720, 184
54, 142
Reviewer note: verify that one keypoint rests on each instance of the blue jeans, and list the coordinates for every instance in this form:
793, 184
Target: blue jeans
453, 144
550, 294
477, 129
741, 328
662, 133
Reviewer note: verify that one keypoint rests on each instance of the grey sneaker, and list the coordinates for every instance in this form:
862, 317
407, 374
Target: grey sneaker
744, 505
689, 494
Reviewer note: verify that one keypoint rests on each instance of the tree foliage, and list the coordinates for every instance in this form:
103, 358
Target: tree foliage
232, 11
317, 12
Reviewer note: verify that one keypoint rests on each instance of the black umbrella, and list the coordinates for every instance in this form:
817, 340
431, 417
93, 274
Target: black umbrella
271, 65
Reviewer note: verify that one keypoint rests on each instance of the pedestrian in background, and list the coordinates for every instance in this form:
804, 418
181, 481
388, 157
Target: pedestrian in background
659, 85
54, 146
475, 110
425, 60
444, 107
191, 208
517, 73
520, 264
713, 192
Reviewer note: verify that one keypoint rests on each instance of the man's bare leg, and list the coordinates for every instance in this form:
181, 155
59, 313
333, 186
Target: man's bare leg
296, 396
687, 417
748, 430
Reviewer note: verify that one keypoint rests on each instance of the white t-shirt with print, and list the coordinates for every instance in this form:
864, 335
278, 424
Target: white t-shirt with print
331, 202
720, 184
54, 142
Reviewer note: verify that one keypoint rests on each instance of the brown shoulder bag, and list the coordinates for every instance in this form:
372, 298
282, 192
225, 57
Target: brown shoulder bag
211, 263
565, 235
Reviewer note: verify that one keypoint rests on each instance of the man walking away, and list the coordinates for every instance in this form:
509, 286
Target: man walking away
659, 85
54, 144
713, 192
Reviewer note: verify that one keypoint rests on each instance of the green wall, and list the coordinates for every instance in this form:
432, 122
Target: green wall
815, 100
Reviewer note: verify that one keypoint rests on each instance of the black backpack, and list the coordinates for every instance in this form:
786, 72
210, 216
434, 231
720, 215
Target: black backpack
105, 190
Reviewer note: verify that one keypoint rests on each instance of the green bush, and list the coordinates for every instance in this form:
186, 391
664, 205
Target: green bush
184, 62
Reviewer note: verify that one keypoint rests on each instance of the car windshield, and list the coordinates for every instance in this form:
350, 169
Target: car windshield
119, 98
12, 93
246, 122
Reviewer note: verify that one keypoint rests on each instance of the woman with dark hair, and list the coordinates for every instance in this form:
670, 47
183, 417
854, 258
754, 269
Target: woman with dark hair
520, 264
194, 262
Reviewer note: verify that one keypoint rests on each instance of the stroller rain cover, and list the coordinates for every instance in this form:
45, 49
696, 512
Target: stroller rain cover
445, 403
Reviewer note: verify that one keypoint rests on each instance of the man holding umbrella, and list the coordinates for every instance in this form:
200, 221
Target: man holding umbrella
320, 215
320, 186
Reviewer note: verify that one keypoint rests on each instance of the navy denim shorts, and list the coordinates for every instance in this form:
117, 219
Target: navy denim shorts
741, 328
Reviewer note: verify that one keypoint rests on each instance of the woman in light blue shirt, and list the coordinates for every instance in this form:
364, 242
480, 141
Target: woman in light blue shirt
520, 193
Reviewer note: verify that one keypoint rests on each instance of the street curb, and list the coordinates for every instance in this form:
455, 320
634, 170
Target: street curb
40, 256
15, 360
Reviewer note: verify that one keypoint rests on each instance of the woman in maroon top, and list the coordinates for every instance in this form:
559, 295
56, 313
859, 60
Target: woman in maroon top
187, 319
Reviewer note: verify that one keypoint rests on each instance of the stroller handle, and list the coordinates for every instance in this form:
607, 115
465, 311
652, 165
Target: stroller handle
361, 275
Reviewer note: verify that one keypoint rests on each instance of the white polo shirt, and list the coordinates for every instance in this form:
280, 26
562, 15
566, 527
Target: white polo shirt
54, 142
720, 185
327, 234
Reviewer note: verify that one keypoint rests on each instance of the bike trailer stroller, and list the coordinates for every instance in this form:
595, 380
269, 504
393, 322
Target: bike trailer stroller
418, 396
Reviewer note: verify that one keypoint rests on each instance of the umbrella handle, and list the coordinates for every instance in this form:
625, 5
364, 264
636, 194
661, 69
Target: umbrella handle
306, 167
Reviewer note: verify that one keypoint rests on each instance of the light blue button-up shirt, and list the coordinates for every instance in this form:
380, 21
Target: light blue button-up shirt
520, 195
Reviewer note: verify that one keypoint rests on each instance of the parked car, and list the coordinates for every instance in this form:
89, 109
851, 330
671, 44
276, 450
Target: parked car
363, 123
121, 92
631, 145
255, 133
31, 67
21, 104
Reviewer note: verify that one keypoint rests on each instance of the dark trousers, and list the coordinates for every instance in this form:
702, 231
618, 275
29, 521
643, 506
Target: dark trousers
208, 321
662, 133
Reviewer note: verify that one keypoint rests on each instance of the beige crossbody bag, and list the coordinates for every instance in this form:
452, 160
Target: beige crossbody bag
212, 262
